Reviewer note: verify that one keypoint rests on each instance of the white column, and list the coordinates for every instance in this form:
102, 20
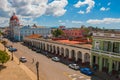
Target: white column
64, 53
83, 58
70, 56
119, 47
60, 52
117, 65
76, 56
19, 36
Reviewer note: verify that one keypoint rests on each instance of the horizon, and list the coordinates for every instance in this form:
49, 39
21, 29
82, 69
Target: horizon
52, 13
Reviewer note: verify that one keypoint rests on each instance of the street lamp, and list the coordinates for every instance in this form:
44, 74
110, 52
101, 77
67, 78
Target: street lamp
12, 56
37, 68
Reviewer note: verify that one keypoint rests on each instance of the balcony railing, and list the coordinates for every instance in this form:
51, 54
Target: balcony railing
106, 52
99, 34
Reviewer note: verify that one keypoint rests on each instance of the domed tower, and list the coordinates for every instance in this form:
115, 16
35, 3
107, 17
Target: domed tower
14, 22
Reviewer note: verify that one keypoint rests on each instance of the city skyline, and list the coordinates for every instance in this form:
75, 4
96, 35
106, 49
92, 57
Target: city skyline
62, 12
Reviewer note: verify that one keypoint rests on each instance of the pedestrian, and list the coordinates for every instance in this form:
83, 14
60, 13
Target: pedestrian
33, 60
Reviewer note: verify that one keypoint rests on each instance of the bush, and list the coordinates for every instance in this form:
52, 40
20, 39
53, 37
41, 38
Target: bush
4, 57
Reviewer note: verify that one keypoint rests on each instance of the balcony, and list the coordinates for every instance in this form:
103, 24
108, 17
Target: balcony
105, 52
107, 35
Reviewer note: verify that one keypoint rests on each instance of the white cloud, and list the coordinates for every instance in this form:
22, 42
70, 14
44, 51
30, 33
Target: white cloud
81, 12
59, 20
32, 8
77, 22
109, 4
56, 8
90, 4
29, 8
27, 22
104, 9
62, 23
104, 21
3, 21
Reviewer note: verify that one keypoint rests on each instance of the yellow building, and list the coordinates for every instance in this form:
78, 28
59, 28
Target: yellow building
105, 53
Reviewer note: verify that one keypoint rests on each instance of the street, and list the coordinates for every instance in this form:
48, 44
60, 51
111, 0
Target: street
48, 69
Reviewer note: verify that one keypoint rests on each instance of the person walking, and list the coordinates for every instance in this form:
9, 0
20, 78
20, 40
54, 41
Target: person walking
33, 60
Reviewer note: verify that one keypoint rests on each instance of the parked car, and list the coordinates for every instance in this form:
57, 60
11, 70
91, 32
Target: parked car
86, 71
34, 49
74, 66
55, 59
23, 59
11, 49
38, 50
14, 49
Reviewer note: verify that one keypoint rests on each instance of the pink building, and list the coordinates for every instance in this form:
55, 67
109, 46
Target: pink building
73, 33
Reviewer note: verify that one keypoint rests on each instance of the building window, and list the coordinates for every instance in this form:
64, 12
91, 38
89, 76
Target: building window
33, 32
116, 47
107, 46
97, 45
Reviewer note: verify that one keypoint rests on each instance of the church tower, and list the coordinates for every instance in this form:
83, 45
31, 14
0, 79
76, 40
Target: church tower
14, 22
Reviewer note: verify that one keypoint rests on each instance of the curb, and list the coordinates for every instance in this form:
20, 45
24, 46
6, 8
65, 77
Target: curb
22, 66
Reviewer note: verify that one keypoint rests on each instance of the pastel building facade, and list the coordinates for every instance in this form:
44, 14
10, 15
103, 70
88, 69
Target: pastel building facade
14, 22
73, 33
105, 53
20, 33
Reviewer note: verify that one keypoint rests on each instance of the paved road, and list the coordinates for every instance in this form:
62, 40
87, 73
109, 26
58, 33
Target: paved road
48, 69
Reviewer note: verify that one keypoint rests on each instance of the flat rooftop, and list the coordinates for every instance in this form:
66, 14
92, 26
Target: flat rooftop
68, 43
76, 43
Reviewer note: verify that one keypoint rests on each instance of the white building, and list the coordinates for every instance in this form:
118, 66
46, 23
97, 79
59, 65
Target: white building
18, 32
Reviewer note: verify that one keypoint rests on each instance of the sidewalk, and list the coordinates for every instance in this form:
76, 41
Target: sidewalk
12, 71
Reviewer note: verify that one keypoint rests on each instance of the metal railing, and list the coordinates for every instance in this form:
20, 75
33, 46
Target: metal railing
106, 52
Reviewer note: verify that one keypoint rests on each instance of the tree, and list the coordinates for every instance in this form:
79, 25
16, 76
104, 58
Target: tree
4, 57
57, 32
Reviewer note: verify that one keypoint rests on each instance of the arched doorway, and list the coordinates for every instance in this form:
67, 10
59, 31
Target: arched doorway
62, 51
58, 51
54, 50
43, 46
48, 47
73, 55
87, 59
40, 45
66, 53
79, 55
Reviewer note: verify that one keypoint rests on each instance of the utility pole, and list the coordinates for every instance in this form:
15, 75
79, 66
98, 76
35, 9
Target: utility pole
37, 68
12, 56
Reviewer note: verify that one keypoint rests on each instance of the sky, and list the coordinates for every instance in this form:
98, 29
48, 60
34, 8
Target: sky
70, 13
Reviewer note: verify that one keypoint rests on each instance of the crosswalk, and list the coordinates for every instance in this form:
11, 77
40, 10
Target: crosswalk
76, 76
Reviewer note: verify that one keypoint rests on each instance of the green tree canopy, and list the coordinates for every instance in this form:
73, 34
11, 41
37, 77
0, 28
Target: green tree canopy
4, 57
57, 32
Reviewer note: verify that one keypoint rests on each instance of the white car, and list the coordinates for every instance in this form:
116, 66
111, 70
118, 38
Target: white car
23, 59
55, 59
74, 66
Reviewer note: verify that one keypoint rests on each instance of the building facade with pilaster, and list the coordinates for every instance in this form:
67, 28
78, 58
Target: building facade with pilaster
105, 53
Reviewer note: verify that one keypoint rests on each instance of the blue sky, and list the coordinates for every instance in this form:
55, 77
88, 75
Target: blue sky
71, 13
